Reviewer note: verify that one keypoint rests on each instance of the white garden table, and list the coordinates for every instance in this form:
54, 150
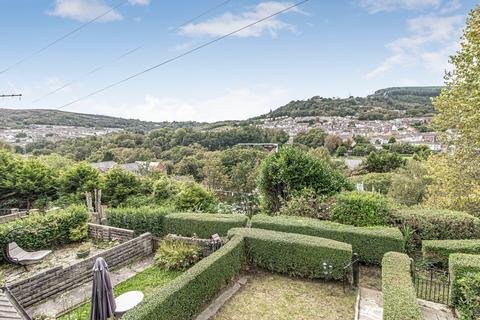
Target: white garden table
127, 302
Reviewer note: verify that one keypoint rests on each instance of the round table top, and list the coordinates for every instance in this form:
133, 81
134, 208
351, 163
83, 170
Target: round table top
128, 301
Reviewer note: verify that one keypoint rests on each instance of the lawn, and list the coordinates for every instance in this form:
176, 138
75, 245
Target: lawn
146, 281
272, 296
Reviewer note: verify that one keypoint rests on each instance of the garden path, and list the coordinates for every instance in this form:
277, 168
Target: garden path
371, 307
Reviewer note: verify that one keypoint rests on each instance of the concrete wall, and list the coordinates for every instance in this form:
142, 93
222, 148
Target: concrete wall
60, 279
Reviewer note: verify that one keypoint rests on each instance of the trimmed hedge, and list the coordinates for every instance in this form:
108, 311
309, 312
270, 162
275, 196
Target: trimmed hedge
399, 296
295, 254
370, 243
461, 265
361, 209
437, 251
182, 298
46, 230
432, 224
204, 225
141, 220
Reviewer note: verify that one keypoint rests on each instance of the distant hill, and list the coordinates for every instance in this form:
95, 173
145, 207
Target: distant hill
19, 118
384, 104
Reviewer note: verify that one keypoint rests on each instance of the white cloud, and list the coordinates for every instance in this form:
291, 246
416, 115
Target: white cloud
229, 22
240, 103
432, 39
376, 6
84, 10
139, 2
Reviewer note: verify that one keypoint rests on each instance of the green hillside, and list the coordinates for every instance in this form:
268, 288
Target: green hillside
384, 104
18, 118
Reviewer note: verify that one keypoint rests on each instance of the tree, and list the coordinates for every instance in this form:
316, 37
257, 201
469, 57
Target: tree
383, 161
119, 185
290, 171
456, 173
214, 175
79, 179
392, 140
409, 184
332, 142
312, 138
341, 151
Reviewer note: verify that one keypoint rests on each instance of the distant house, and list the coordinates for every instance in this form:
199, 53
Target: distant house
103, 166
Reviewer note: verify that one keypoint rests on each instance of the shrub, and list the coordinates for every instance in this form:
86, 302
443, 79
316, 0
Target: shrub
370, 243
375, 181
433, 224
295, 254
177, 255
141, 220
41, 231
192, 197
461, 265
409, 184
182, 298
289, 171
438, 251
119, 185
399, 296
469, 291
308, 204
383, 161
361, 209
203, 225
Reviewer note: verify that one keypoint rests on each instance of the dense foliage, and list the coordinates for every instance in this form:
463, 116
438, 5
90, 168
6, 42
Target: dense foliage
306, 256
177, 255
456, 174
291, 171
433, 224
438, 251
45, 231
141, 219
382, 105
361, 209
370, 243
383, 161
375, 181
464, 293
202, 225
399, 296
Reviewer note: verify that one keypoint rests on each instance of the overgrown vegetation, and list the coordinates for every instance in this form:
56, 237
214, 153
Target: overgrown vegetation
177, 255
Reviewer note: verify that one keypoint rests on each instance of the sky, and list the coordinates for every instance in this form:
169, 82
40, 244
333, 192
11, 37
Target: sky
321, 48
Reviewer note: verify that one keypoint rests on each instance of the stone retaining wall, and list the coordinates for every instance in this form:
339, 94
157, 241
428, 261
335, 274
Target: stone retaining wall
12, 216
60, 279
107, 233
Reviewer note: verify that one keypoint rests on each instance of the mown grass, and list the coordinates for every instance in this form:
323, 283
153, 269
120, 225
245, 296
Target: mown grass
272, 296
146, 281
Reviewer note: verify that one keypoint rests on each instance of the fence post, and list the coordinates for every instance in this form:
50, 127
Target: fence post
356, 270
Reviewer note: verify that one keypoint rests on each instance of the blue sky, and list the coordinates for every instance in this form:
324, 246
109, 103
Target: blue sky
327, 48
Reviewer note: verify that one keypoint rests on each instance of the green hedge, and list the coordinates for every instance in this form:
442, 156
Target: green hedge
202, 224
437, 251
399, 296
141, 220
182, 298
461, 265
370, 243
361, 209
295, 254
432, 224
46, 230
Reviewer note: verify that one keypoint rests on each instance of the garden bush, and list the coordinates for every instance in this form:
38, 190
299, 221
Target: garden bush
370, 243
285, 173
399, 296
308, 204
177, 255
193, 197
469, 293
361, 209
46, 230
295, 254
141, 220
438, 251
434, 224
182, 298
203, 225
375, 181
461, 266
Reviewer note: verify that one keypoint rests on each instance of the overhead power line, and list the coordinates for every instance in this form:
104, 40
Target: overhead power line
95, 70
68, 34
183, 54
